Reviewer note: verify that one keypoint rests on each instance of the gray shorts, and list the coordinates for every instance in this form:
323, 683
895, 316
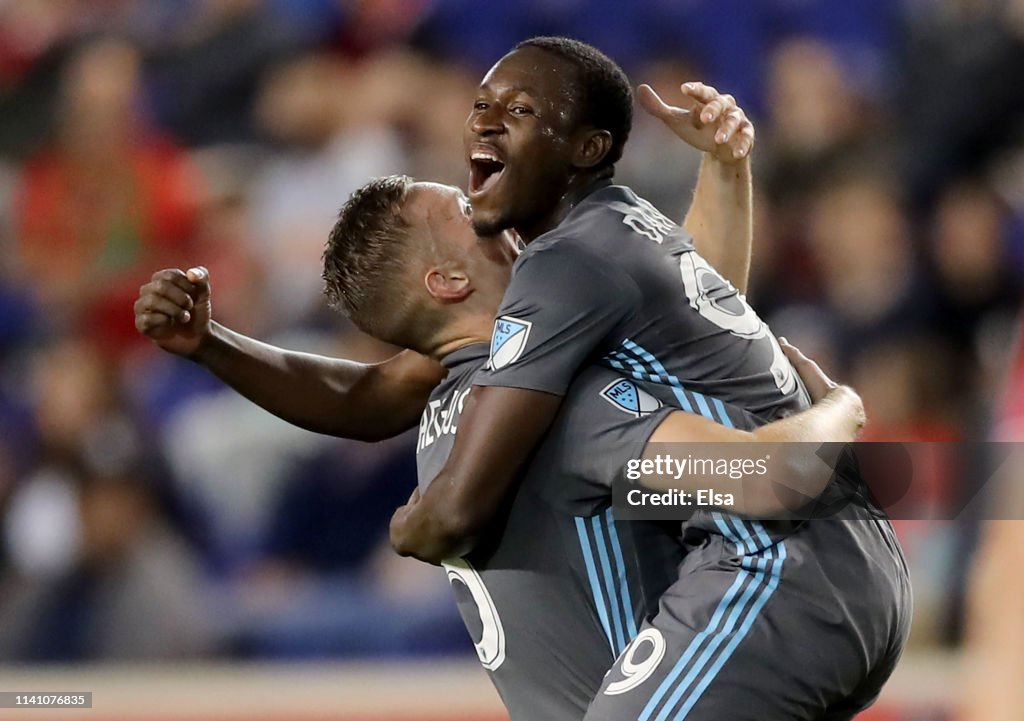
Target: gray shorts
806, 627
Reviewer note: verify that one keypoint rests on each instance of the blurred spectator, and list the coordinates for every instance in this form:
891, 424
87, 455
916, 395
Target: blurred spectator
241, 40
976, 277
657, 166
329, 144
435, 136
108, 201
132, 593
327, 570
974, 47
908, 390
859, 240
995, 626
96, 571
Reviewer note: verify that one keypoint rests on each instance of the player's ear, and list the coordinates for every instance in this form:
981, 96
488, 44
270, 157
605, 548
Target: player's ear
448, 283
592, 145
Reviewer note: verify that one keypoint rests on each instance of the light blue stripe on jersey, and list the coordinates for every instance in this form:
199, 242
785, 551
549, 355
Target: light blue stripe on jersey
618, 363
724, 606
595, 583
667, 378
702, 404
723, 657
762, 584
749, 545
614, 600
680, 394
652, 374
623, 578
638, 369
743, 612
723, 415
719, 415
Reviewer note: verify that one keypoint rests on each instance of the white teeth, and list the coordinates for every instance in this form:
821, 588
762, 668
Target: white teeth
483, 155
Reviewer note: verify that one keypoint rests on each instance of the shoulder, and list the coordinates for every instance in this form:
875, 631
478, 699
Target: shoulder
614, 216
570, 263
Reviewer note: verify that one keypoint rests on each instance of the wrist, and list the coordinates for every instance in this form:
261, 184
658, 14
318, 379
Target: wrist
852, 403
210, 345
728, 167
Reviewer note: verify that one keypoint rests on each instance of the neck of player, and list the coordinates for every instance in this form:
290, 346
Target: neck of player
462, 330
578, 187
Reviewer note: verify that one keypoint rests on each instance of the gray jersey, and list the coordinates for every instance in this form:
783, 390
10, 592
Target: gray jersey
617, 284
560, 588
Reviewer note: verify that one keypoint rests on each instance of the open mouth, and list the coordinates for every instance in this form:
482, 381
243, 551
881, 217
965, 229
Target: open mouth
485, 169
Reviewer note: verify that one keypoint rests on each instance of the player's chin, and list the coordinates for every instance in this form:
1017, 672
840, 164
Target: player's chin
488, 223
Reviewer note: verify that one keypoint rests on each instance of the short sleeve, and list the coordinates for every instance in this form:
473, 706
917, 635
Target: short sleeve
605, 421
561, 309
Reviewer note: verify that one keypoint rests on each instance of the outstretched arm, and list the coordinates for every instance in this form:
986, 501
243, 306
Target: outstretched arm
837, 416
365, 401
720, 217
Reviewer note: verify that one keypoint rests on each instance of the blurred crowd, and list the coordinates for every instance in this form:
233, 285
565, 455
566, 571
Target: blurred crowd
146, 512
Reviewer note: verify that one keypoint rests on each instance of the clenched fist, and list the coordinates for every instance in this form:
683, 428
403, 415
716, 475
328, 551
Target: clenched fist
174, 310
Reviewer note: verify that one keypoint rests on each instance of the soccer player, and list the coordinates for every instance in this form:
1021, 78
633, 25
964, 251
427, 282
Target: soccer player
599, 282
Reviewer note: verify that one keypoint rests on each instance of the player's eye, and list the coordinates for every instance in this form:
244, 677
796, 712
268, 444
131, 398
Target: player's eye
520, 110
480, 106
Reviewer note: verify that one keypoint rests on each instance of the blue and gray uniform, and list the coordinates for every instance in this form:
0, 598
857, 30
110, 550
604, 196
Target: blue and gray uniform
560, 588
618, 285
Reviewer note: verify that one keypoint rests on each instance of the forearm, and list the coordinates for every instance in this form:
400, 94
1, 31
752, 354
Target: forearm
498, 430
995, 627
326, 395
838, 417
720, 217
436, 527
795, 446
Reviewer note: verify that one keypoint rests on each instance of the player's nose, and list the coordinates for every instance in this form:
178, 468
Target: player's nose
487, 121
